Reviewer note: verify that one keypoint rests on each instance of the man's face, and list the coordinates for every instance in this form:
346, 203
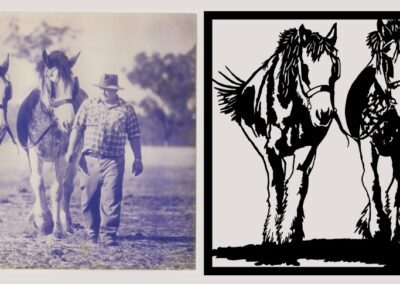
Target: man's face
110, 94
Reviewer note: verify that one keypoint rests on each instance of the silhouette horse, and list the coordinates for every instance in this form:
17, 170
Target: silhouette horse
285, 109
374, 123
43, 127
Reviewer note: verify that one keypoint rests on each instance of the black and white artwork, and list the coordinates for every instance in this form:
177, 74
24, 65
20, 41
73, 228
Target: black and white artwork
97, 139
302, 163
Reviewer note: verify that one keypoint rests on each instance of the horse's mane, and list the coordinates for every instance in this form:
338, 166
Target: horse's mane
59, 60
375, 39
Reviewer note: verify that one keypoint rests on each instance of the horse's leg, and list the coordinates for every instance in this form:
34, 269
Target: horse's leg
373, 223
296, 190
276, 177
56, 192
68, 188
40, 215
394, 200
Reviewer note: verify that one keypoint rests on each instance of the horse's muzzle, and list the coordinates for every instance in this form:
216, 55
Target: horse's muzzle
321, 109
324, 117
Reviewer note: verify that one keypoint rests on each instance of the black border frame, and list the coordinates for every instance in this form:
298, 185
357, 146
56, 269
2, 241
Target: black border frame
209, 17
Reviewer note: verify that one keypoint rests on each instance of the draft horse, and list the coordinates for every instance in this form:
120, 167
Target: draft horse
285, 109
374, 123
5, 97
43, 126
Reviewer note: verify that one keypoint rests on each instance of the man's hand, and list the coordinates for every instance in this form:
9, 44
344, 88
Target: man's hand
137, 167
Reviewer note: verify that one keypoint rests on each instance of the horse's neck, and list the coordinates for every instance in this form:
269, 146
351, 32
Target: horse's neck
281, 98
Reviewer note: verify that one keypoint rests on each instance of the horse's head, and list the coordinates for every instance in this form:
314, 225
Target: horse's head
318, 70
385, 48
5, 96
58, 86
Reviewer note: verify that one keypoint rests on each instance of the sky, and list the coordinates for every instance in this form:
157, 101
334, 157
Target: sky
107, 42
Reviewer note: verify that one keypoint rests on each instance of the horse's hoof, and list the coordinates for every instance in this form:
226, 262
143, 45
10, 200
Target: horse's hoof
58, 234
70, 230
43, 228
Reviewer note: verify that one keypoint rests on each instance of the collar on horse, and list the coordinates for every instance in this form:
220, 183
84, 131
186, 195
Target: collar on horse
336, 72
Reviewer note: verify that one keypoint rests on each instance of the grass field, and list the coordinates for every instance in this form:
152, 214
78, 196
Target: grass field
157, 228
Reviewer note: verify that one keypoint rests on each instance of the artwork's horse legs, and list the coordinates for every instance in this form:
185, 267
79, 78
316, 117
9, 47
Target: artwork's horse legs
394, 200
275, 172
40, 216
276, 178
296, 188
374, 222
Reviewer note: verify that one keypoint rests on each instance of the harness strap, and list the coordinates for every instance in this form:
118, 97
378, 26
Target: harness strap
41, 136
321, 88
394, 85
55, 104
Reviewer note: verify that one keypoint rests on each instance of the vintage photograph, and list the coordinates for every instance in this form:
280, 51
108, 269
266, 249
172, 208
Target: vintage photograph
97, 139
302, 153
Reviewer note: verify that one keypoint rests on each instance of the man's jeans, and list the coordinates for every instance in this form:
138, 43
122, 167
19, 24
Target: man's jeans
101, 184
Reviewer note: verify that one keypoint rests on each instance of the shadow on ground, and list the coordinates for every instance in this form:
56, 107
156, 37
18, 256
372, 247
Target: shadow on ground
165, 239
335, 250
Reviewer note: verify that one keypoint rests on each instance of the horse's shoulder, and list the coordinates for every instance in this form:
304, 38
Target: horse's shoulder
25, 115
357, 98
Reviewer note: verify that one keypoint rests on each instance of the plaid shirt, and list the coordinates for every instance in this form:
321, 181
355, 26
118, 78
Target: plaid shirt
106, 127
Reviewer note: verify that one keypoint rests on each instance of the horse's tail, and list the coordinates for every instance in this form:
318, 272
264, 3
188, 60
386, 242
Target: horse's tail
229, 93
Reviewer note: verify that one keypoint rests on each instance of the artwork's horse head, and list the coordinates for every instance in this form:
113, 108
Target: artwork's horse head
43, 124
285, 109
374, 123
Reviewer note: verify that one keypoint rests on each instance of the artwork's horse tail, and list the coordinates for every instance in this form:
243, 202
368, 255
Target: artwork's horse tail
229, 94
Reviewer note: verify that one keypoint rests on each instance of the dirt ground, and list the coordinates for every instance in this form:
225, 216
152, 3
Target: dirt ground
157, 228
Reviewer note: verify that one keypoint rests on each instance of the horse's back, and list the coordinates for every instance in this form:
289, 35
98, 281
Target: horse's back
357, 99
25, 115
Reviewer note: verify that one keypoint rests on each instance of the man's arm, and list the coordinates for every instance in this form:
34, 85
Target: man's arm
74, 139
137, 167
132, 129
78, 128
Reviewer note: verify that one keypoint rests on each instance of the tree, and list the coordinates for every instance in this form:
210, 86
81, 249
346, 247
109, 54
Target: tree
30, 45
172, 78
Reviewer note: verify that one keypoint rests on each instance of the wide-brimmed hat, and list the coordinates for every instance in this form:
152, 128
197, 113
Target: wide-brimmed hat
109, 81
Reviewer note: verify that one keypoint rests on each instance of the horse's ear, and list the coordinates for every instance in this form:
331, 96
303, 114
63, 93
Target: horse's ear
73, 60
303, 33
383, 30
45, 57
331, 37
4, 66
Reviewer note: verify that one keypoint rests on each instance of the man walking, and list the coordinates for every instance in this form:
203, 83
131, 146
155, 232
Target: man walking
104, 123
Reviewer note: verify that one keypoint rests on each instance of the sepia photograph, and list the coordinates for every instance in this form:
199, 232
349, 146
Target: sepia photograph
98, 141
